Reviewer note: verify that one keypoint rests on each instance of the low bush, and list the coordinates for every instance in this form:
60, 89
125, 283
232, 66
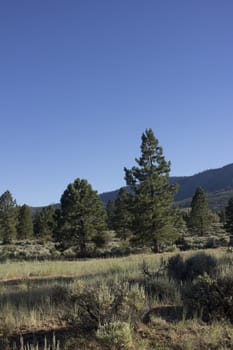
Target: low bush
211, 299
4, 343
176, 268
115, 335
181, 269
163, 290
54, 345
87, 308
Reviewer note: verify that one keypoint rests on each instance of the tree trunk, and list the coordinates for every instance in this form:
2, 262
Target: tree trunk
231, 241
82, 245
155, 247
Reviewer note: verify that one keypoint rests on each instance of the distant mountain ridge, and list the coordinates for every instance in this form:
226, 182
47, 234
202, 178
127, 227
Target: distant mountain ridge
212, 180
217, 183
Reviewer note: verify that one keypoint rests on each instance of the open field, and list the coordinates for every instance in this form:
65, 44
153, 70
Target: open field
80, 268
77, 300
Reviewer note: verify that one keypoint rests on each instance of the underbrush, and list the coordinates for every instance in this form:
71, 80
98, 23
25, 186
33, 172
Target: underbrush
45, 250
127, 303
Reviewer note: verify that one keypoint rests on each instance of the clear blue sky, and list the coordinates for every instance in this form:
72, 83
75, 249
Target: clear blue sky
80, 80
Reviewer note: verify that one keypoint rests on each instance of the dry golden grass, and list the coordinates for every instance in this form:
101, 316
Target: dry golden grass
188, 335
80, 268
126, 265
33, 309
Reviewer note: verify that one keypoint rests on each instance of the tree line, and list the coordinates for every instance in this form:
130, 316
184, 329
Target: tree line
143, 214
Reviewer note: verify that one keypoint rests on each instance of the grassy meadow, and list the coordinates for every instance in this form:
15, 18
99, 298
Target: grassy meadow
145, 301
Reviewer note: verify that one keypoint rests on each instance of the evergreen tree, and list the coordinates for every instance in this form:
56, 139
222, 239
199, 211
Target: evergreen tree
110, 210
222, 216
83, 217
199, 220
122, 218
151, 194
25, 225
57, 232
229, 219
8, 217
44, 222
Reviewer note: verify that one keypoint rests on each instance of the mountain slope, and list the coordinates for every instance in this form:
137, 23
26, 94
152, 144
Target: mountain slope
213, 180
217, 183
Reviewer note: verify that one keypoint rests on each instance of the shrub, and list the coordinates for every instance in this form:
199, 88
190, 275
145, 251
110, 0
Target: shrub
162, 289
176, 268
194, 266
60, 294
54, 345
6, 330
99, 304
4, 343
115, 335
200, 264
136, 298
210, 298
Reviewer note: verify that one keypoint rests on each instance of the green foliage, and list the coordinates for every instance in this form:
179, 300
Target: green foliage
176, 268
4, 338
25, 224
60, 294
115, 335
190, 268
153, 220
29, 250
199, 219
162, 290
156, 284
100, 240
8, 217
110, 210
53, 345
4, 343
210, 298
83, 218
214, 181
44, 222
122, 217
96, 294
101, 303
229, 219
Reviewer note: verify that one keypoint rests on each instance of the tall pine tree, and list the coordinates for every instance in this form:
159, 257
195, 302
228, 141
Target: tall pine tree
83, 217
25, 225
229, 219
199, 220
44, 223
153, 218
110, 211
8, 217
122, 218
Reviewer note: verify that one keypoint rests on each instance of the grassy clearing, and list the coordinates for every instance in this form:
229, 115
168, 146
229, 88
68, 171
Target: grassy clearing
188, 335
81, 268
37, 300
28, 303
128, 266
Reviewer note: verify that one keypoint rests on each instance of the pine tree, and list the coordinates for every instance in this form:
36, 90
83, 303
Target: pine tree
83, 217
122, 218
44, 223
8, 217
153, 218
110, 210
199, 220
229, 219
25, 225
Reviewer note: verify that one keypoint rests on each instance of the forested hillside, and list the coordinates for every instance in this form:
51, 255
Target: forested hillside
213, 180
217, 183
